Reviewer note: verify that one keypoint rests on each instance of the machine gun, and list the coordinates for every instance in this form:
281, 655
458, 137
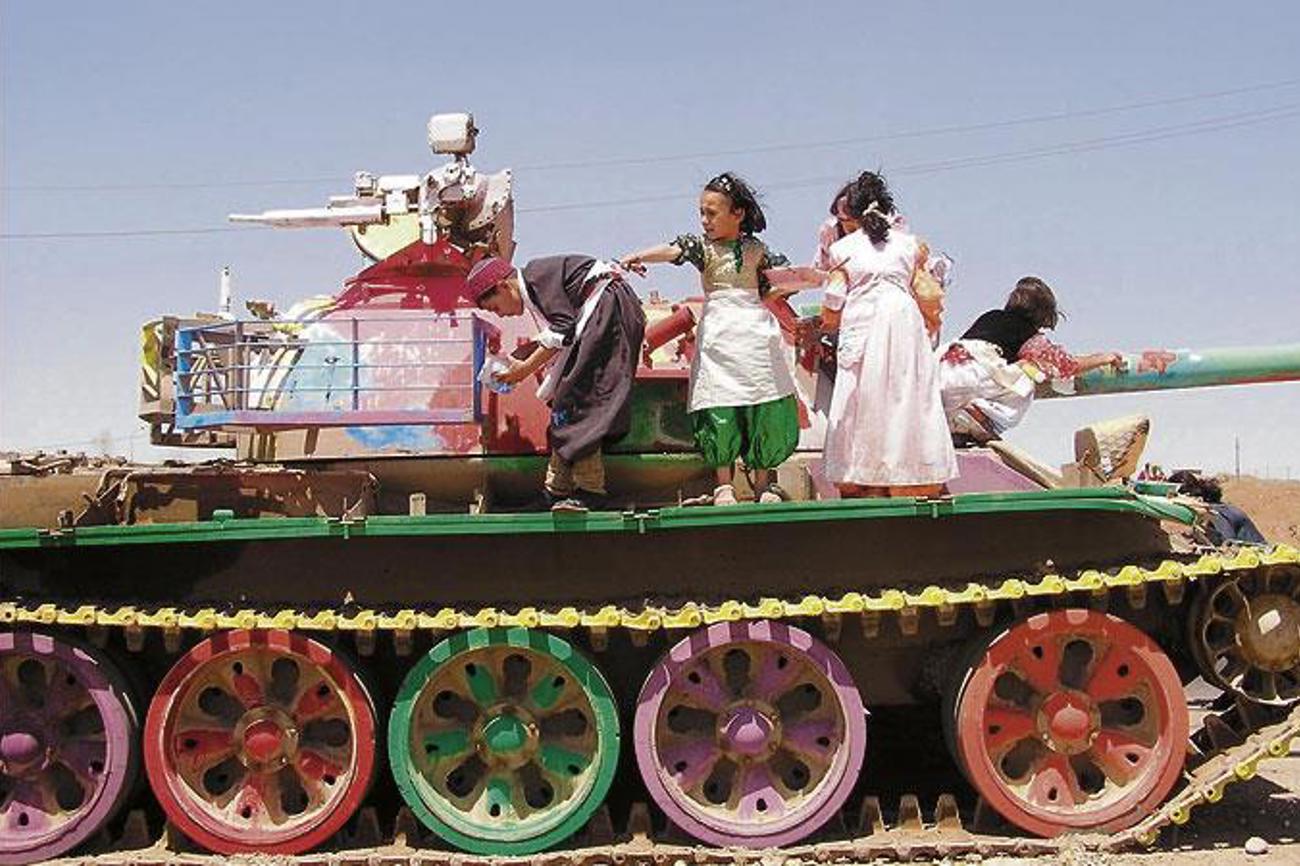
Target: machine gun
423, 231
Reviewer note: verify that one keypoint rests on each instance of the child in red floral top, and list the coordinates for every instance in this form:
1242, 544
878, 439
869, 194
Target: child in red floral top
988, 377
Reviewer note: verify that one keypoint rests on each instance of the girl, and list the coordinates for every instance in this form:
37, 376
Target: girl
839, 224
742, 400
988, 376
886, 434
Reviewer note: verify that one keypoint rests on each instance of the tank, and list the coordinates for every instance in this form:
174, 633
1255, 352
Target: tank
357, 638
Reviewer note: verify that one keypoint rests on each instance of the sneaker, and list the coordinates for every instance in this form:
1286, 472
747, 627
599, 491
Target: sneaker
724, 494
570, 504
770, 494
591, 501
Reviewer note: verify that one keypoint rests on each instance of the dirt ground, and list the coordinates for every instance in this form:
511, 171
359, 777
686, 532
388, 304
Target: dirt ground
1273, 505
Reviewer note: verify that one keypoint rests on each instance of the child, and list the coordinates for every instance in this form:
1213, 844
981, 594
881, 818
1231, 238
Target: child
836, 226
592, 339
989, 375
885, 432
742, 401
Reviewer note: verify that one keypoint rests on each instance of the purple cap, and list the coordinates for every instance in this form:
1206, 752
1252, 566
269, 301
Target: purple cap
484, 276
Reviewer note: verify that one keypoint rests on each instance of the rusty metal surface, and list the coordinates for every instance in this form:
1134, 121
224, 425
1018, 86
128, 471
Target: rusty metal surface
141, 495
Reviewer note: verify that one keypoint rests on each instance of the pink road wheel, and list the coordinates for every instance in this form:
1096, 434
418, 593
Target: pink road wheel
68, 750
1072, 720
750, 734
260, 741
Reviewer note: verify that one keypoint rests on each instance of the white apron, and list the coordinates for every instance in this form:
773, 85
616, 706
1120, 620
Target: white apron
740, 356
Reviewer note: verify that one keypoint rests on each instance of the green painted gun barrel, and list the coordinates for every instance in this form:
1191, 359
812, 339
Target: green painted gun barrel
1170, 369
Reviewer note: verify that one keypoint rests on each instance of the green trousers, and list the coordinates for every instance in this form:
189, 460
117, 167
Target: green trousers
764, 435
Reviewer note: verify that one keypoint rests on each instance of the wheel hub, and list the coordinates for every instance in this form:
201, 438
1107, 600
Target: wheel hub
508, 737
1269, 630
1068, 722
267, 737
23, 753
747, 730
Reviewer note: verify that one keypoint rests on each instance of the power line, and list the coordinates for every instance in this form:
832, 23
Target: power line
124, 233
1155, 134
984, 126
919, 133
1161, 133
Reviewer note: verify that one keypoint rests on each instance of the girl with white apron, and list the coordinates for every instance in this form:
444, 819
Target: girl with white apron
742, 402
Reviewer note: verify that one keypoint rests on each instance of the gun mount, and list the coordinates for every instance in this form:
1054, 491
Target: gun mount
454, 205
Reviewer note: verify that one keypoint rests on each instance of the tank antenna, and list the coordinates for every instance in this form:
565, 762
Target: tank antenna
225, 298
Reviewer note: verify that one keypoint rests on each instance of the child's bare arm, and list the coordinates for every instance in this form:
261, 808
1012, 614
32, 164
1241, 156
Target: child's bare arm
658, 254
522, 369
1114, 360
833, 300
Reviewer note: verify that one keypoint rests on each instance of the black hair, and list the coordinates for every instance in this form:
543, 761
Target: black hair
1034, 300
841, 196
742, 197
1205, 489
870, 189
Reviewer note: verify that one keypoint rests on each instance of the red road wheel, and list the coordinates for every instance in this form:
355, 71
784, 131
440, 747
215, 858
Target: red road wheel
260, 741
1072, 720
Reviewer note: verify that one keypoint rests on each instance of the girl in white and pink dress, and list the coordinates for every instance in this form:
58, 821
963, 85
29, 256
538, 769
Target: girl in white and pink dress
886, 430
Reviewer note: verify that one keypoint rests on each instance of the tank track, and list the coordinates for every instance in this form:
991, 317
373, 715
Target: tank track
1228, 747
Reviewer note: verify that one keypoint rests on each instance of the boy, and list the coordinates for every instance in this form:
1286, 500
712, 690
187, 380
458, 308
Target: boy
592, 342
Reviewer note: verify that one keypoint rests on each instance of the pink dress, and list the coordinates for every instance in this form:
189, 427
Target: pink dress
886, 425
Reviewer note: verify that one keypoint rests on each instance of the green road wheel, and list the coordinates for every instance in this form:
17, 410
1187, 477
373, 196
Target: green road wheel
503, 740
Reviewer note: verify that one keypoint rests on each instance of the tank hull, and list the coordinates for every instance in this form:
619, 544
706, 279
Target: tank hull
674, 556
898, 592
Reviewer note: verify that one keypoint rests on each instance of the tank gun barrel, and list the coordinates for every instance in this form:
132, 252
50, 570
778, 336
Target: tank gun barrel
1172, 369
312, 217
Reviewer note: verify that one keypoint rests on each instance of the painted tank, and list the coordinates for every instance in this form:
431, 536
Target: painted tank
358, 633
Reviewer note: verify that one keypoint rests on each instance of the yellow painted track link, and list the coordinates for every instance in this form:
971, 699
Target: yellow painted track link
1227, 748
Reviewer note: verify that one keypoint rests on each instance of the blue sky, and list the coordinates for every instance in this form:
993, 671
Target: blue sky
1165, 212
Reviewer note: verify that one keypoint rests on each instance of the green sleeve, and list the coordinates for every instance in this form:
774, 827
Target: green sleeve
692, 250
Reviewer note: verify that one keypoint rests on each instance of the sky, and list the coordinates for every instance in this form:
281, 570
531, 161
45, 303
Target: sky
1139, 157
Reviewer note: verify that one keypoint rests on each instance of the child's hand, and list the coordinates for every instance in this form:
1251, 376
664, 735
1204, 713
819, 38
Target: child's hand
517, 373
632, 264
1116, 362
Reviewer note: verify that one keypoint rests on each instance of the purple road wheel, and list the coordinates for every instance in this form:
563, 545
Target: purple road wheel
68, 745
750, 734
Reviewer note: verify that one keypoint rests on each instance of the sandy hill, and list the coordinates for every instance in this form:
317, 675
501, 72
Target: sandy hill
1273, 505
